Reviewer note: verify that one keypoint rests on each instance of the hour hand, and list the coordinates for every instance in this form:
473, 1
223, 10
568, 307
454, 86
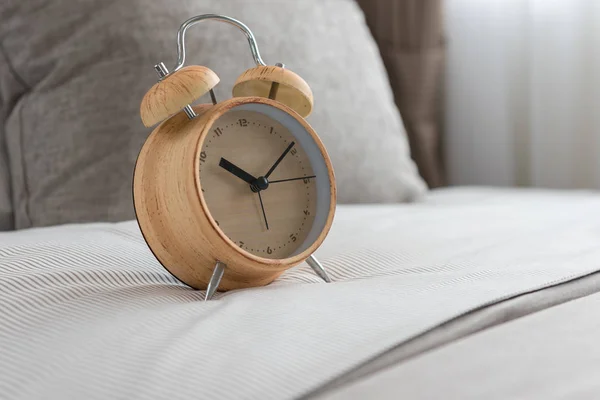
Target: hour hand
237, 171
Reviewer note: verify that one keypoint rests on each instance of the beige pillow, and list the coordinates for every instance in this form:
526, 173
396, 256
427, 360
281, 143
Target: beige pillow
74, 136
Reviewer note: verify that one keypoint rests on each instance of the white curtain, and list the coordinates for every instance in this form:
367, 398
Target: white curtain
523, 93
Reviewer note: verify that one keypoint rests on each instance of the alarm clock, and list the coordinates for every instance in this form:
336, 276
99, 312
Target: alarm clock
229, 195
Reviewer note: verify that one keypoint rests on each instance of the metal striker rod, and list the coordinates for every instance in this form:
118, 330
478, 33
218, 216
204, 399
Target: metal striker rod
275, 85
189, 111
162, 71
273, 91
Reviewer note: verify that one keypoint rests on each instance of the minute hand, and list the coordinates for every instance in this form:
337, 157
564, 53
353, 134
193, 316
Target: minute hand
280, 159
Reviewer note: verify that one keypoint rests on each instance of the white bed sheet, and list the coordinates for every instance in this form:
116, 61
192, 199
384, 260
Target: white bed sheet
87, 312
550, 355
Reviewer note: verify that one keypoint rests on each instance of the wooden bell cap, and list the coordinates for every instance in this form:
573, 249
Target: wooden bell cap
290, 89
177, 90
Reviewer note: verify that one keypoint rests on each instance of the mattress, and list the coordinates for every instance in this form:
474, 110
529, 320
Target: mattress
87, 312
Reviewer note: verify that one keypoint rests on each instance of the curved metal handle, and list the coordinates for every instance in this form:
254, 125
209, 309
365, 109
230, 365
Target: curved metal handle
194, 20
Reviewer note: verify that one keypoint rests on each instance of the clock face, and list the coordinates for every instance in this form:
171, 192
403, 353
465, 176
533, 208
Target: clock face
259, 183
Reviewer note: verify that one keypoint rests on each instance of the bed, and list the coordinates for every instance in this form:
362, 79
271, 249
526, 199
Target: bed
549, 355
448, 297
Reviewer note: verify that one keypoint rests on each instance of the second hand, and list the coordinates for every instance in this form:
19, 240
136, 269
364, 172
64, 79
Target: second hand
293, 179
263, 209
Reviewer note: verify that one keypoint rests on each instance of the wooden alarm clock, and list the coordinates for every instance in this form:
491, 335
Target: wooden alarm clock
229, 195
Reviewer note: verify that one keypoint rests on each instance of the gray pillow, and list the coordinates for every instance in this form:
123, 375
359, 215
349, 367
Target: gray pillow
11, 88
6, 214
74, 136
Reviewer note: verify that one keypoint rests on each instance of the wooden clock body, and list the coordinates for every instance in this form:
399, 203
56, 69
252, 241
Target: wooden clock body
174, 217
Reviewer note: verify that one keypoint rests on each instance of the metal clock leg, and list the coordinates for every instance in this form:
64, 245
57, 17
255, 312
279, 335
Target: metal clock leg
318, 268
215, 279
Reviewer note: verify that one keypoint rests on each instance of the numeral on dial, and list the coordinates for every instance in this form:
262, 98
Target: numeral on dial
293, 237
218, 132
203, 156
243, 122
269, 250
306, 212
293, 152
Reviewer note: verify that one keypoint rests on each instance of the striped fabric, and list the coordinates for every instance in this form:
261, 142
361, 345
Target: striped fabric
86, 312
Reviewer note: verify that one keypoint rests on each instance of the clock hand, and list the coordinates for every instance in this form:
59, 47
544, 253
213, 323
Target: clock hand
293, 179
237, 171
280, 159
263, 209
